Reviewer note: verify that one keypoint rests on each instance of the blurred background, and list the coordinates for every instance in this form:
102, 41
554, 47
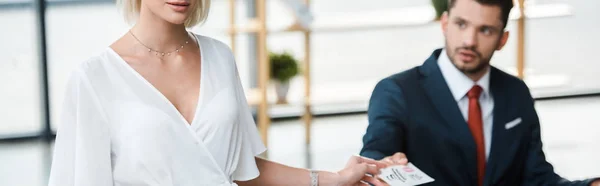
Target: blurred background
353, 44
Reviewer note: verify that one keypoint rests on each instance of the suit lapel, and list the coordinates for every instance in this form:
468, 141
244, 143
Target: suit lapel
438, 91
501, 138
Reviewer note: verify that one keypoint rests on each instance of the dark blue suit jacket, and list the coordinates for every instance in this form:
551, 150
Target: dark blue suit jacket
414, 112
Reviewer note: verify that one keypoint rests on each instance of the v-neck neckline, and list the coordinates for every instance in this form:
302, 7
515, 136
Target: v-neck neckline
191, 124
195, 122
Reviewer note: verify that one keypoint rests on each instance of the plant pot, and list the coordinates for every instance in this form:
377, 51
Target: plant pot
281, 88
440, 7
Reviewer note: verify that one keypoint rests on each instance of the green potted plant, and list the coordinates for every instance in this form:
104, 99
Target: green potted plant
440, 7
283, 68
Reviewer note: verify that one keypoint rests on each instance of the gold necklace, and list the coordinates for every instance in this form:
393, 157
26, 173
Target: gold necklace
156, 51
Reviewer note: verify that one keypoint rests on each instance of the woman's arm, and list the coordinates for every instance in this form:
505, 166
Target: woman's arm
272, 173
82, 148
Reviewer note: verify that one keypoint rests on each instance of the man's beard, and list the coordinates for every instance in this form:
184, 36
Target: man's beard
482, 64
479, 68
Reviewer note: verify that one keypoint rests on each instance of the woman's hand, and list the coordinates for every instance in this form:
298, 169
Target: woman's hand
356, 170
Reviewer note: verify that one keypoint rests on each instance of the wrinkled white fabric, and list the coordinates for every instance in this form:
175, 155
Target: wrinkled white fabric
117, 129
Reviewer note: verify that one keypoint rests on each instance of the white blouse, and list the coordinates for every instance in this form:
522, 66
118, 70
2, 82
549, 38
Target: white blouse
118, 129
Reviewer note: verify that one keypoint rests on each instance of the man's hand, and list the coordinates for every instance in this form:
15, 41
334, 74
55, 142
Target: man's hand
596, 183
397, 159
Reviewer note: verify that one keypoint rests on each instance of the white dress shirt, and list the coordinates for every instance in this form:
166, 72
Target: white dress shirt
117, 129
459, 85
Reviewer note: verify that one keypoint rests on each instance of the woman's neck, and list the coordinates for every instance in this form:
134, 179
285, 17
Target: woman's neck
158, 34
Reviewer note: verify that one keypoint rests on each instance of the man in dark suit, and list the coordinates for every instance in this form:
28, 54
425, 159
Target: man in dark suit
458, 119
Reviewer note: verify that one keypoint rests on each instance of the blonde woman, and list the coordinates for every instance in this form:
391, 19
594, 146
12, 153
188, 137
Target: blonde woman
165, 107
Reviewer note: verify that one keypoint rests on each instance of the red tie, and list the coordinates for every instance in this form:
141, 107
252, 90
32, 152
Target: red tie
476, 125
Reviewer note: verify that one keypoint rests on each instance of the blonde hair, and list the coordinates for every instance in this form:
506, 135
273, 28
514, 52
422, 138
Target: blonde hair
198, 14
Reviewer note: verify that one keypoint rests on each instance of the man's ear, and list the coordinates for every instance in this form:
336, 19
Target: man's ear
444, 22
503, 40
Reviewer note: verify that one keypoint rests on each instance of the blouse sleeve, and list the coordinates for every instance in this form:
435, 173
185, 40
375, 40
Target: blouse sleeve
252, 144
82, 148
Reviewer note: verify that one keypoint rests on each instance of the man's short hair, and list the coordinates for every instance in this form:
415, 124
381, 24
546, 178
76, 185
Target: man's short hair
505, 5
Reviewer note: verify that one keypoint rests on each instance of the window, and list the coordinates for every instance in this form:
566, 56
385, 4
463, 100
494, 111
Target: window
19, 71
